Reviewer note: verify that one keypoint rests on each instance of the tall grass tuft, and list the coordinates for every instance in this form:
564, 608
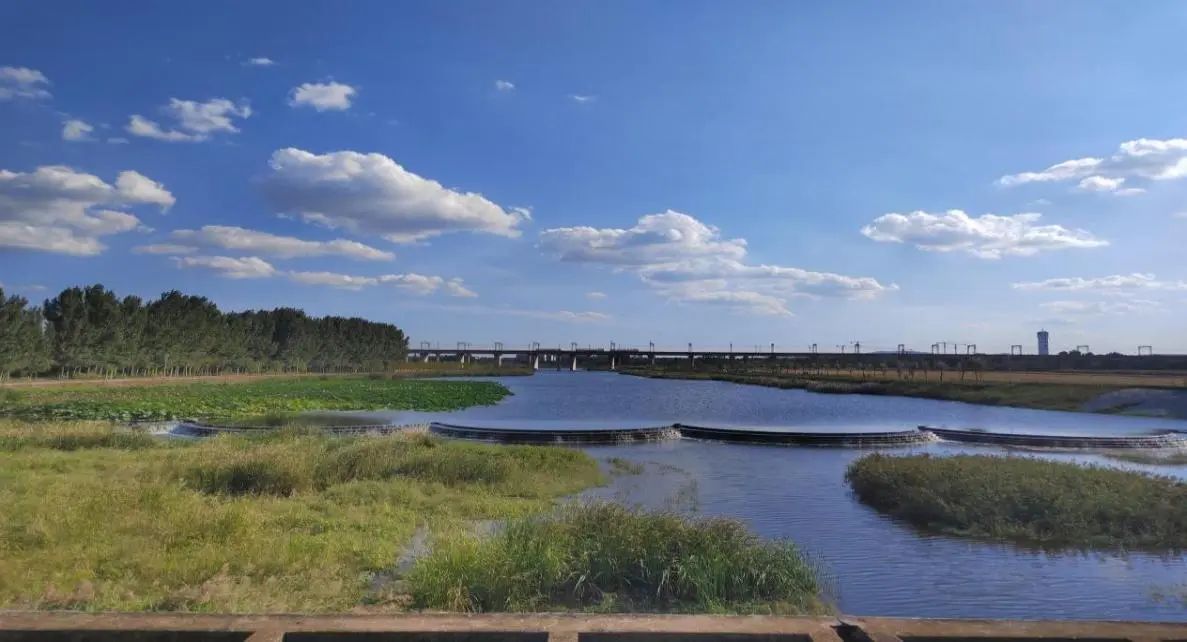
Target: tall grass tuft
1028, 500
72, 436
606, 557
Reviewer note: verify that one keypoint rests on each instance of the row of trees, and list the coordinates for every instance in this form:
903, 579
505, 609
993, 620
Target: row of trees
91, 331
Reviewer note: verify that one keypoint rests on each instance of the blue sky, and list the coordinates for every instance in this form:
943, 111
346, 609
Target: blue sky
610, 171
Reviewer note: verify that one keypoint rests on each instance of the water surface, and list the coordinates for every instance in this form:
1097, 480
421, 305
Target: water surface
877, 566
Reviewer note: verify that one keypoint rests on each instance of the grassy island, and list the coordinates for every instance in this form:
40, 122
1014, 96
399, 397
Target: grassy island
213, 400
1022, 390
1026, 500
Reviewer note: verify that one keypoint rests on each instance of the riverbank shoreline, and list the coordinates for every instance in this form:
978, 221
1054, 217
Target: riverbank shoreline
1068, 397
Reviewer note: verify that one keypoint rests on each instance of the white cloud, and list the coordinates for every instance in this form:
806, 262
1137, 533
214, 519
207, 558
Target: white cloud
58, 209
1112, 284
134, 187
423, 284
331, 96
194, 121
117, 140
75, 130
261, 61
1179, 215
582, 99
1144, 158
987, 236
267, 244
1094, 308
595, 296
504, 85
164, 248
140, 126
688, 261
1101, 184
333, 279
250, 267
372, 194
22, 82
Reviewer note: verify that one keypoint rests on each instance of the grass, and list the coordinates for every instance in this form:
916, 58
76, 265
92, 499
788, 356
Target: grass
608, 558
1026, 500
292, 521
252, 398
1030, 394
80, 435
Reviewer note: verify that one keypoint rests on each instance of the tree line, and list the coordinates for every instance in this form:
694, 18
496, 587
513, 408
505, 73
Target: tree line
90, 331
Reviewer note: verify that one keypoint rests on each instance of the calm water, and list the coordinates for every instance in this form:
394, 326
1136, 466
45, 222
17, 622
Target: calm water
877, 566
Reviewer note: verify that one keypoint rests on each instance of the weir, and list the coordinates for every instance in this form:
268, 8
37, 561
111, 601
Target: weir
1169, 439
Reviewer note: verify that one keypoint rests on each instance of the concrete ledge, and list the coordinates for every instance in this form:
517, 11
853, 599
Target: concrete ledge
184, 627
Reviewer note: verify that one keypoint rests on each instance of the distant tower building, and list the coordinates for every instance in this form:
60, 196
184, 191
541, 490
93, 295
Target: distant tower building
1044, 344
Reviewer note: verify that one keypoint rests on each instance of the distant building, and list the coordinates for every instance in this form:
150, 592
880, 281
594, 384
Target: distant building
1044, 343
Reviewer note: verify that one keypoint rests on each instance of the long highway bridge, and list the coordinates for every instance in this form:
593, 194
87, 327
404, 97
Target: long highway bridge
615, 356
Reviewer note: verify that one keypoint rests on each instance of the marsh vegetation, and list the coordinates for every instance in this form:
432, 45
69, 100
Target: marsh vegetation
608, 558
243, 400
103, 518
1026, 500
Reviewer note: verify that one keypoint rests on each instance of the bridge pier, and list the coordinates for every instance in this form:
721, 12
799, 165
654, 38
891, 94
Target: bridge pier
498, 359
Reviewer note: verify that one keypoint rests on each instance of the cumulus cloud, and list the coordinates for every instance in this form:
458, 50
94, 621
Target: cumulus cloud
135, 187
250, 267
164, 248
987, 236
1144, 158
261, 61
267, 244
77, 131
372, 194
423, 284
504, 85
329, 96
58, 209
1112, 284
689, 261
253, 267
192, 121
333, 279
22, 82
1095, 308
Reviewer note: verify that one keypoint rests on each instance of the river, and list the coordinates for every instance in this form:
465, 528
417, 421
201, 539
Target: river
875, 566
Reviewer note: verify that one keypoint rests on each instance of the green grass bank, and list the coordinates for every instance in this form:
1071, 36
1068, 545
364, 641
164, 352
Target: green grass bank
1026, 500
1043, 396
97, 517
607, 558
253, 398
